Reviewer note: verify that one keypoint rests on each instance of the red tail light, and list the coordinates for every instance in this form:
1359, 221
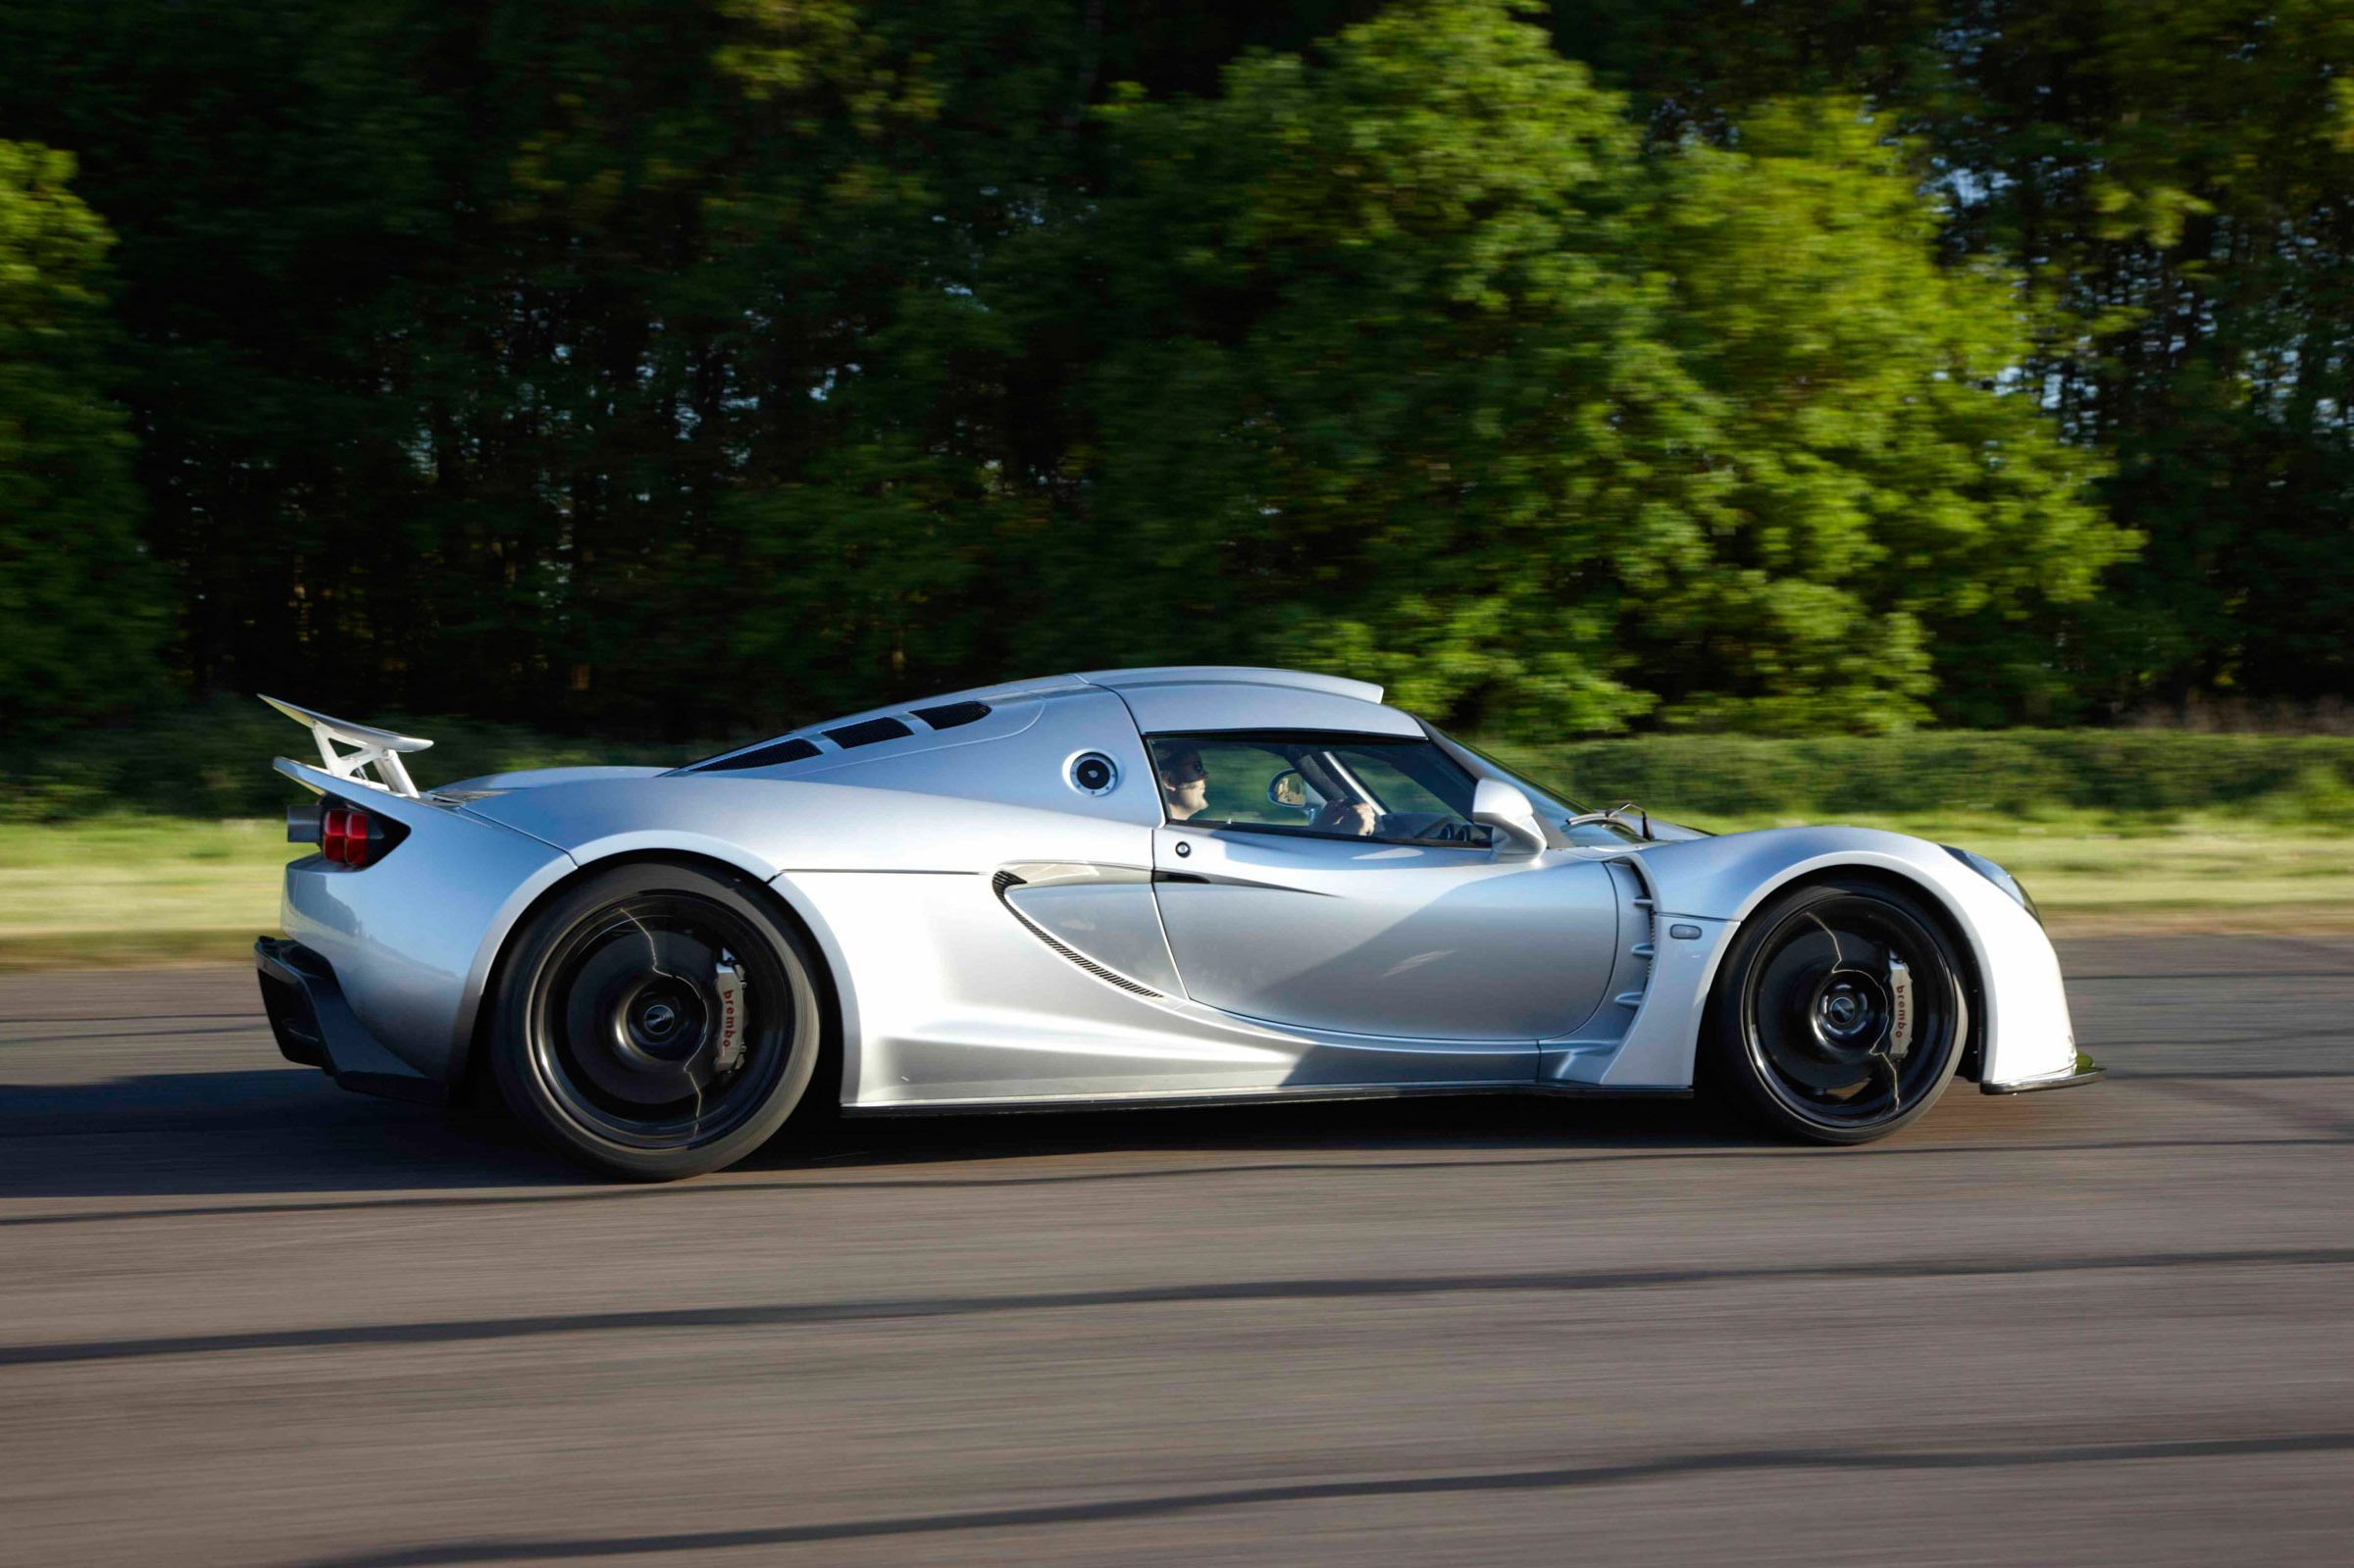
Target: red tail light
343, 836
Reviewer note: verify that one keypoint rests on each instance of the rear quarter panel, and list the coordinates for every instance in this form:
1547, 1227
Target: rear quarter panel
885, 853
412, 938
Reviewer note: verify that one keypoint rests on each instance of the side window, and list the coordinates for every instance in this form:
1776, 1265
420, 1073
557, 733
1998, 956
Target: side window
1398, 791
1208, 778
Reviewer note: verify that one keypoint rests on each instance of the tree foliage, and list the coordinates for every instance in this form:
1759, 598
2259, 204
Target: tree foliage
79, 612
1893, 507
679, 369
2175, 184
1401, 353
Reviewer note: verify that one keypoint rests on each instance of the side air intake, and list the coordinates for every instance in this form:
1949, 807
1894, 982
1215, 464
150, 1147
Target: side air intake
1638, 939
1101, 918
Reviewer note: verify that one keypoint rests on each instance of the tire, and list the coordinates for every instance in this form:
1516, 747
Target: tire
1805, 1030
656, 1022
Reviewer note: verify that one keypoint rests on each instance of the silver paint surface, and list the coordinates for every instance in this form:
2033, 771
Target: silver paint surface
1285, 964
407, 936
1404, 941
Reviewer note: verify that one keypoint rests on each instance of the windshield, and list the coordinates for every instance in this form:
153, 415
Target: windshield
1553, 806
1548, 800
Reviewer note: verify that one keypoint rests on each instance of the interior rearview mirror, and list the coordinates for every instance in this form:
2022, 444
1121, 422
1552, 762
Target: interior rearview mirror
1497, 805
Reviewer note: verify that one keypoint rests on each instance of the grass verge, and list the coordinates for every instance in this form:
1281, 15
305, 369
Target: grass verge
128, 891
2097, 874
122, 890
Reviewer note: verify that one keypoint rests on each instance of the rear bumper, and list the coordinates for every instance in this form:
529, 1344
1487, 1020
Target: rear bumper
2085, 1071
316, 1026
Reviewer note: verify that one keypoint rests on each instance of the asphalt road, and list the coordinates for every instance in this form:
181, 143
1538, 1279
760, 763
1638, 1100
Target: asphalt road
245, 1318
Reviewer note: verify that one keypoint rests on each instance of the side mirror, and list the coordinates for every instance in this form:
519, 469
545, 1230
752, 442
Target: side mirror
1288, 788
1497, 805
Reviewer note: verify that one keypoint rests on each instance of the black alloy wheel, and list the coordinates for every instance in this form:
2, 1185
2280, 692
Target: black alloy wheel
657, 1021
1839, 1015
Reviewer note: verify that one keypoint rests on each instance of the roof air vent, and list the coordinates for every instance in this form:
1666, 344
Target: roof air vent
867, 732
768, 756
948, 715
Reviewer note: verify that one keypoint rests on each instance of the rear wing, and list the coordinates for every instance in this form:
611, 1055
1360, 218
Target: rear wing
380, 750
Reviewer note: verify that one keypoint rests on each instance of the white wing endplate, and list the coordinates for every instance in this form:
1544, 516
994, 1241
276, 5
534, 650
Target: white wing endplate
375, 748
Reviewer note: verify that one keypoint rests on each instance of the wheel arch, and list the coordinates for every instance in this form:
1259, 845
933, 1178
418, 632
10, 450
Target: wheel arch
1889, 873
767, 888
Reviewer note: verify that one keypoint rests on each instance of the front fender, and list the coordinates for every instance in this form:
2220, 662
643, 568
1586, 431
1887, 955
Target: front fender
2025, 1029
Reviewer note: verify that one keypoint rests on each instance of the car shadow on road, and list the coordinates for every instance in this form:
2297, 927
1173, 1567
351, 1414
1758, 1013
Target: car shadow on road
1421, 1125
255, 1132
288, 1133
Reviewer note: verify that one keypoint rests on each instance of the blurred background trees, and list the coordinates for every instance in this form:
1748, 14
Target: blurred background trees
686, 368
81, 604
2175, 184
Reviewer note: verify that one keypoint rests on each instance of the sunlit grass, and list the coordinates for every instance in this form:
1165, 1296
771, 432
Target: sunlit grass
2094, 872
136, 890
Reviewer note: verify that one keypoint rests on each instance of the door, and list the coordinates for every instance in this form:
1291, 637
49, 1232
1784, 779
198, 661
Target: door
1335, 883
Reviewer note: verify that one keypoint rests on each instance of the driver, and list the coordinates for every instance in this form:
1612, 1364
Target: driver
1184, 782
1352, 817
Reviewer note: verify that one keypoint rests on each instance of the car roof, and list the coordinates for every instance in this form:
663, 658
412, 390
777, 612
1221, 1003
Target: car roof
1171, 675
1164, 697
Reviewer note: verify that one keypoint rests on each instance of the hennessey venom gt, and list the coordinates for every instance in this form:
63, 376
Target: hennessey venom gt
1122, 888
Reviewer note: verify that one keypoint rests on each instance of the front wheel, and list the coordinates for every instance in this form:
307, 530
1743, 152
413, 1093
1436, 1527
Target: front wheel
655, 1022
1839, 1014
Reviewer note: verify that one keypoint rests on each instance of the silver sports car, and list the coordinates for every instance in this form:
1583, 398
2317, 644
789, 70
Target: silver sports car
1123, 887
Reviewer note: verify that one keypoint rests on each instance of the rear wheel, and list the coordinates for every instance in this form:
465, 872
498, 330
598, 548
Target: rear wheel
655, 1022
1839, 1014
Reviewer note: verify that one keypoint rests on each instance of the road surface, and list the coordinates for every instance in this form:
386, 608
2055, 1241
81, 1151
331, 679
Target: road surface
245, 1318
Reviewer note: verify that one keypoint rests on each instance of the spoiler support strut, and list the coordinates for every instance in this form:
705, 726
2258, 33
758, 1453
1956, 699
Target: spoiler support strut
375, 748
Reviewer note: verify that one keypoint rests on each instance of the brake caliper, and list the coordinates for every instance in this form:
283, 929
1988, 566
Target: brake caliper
1900, 1008
1899, 1037
728, 983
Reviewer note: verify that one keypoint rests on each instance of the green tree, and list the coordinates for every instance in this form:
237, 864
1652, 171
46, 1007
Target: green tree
1399, 359
513, 358
79, 606
451, 324
1891, 514
2175, 184
685, 368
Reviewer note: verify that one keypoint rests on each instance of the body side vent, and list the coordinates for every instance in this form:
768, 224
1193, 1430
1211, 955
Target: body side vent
1630, 971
